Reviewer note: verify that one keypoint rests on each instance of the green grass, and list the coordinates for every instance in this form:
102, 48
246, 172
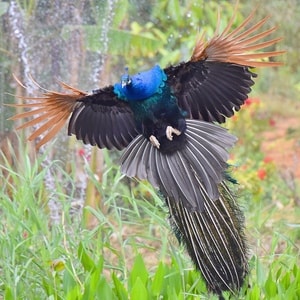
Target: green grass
40, 260
130, 252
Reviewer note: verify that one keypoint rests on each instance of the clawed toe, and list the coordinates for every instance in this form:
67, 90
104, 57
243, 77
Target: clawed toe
154, 141
169, 132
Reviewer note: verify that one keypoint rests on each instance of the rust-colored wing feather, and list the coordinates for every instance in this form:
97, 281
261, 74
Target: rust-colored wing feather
236, 46
217, 79
50, 112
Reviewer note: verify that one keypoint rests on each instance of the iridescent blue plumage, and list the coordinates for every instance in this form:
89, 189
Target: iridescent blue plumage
142, 85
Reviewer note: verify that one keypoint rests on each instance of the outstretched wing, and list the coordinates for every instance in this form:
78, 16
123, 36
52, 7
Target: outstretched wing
102, 119
217, 79
97, 119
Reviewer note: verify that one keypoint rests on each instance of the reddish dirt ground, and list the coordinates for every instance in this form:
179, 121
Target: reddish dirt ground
283, 147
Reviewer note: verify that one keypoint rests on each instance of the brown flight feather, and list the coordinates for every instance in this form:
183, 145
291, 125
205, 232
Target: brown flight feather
50, 111
236, 46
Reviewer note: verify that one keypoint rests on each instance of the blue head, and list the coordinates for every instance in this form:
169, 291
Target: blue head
141, 85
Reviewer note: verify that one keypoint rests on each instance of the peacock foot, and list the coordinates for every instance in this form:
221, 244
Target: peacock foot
154, 141
169, 132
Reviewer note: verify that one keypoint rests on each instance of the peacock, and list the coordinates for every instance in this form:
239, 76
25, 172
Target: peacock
167, 122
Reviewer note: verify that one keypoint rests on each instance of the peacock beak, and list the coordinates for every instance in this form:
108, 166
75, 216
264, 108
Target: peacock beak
125, 82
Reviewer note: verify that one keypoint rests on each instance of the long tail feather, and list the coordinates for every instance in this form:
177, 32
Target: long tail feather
50, 112
236, 46
214, 239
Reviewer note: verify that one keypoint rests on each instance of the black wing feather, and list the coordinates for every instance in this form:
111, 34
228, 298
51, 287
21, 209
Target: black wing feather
210, 90
102, 119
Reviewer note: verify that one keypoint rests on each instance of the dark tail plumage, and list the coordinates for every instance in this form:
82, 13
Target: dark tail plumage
214, 239
203, 211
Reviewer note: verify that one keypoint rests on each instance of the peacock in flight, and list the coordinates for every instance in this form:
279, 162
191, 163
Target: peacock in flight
165, 121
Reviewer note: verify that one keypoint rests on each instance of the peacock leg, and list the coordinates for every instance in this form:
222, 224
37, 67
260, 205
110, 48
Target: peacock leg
169, 132
154, 141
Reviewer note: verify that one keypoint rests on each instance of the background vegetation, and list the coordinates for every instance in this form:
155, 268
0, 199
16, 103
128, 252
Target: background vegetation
72, 227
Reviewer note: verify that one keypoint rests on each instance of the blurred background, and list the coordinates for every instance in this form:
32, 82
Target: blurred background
69, 187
